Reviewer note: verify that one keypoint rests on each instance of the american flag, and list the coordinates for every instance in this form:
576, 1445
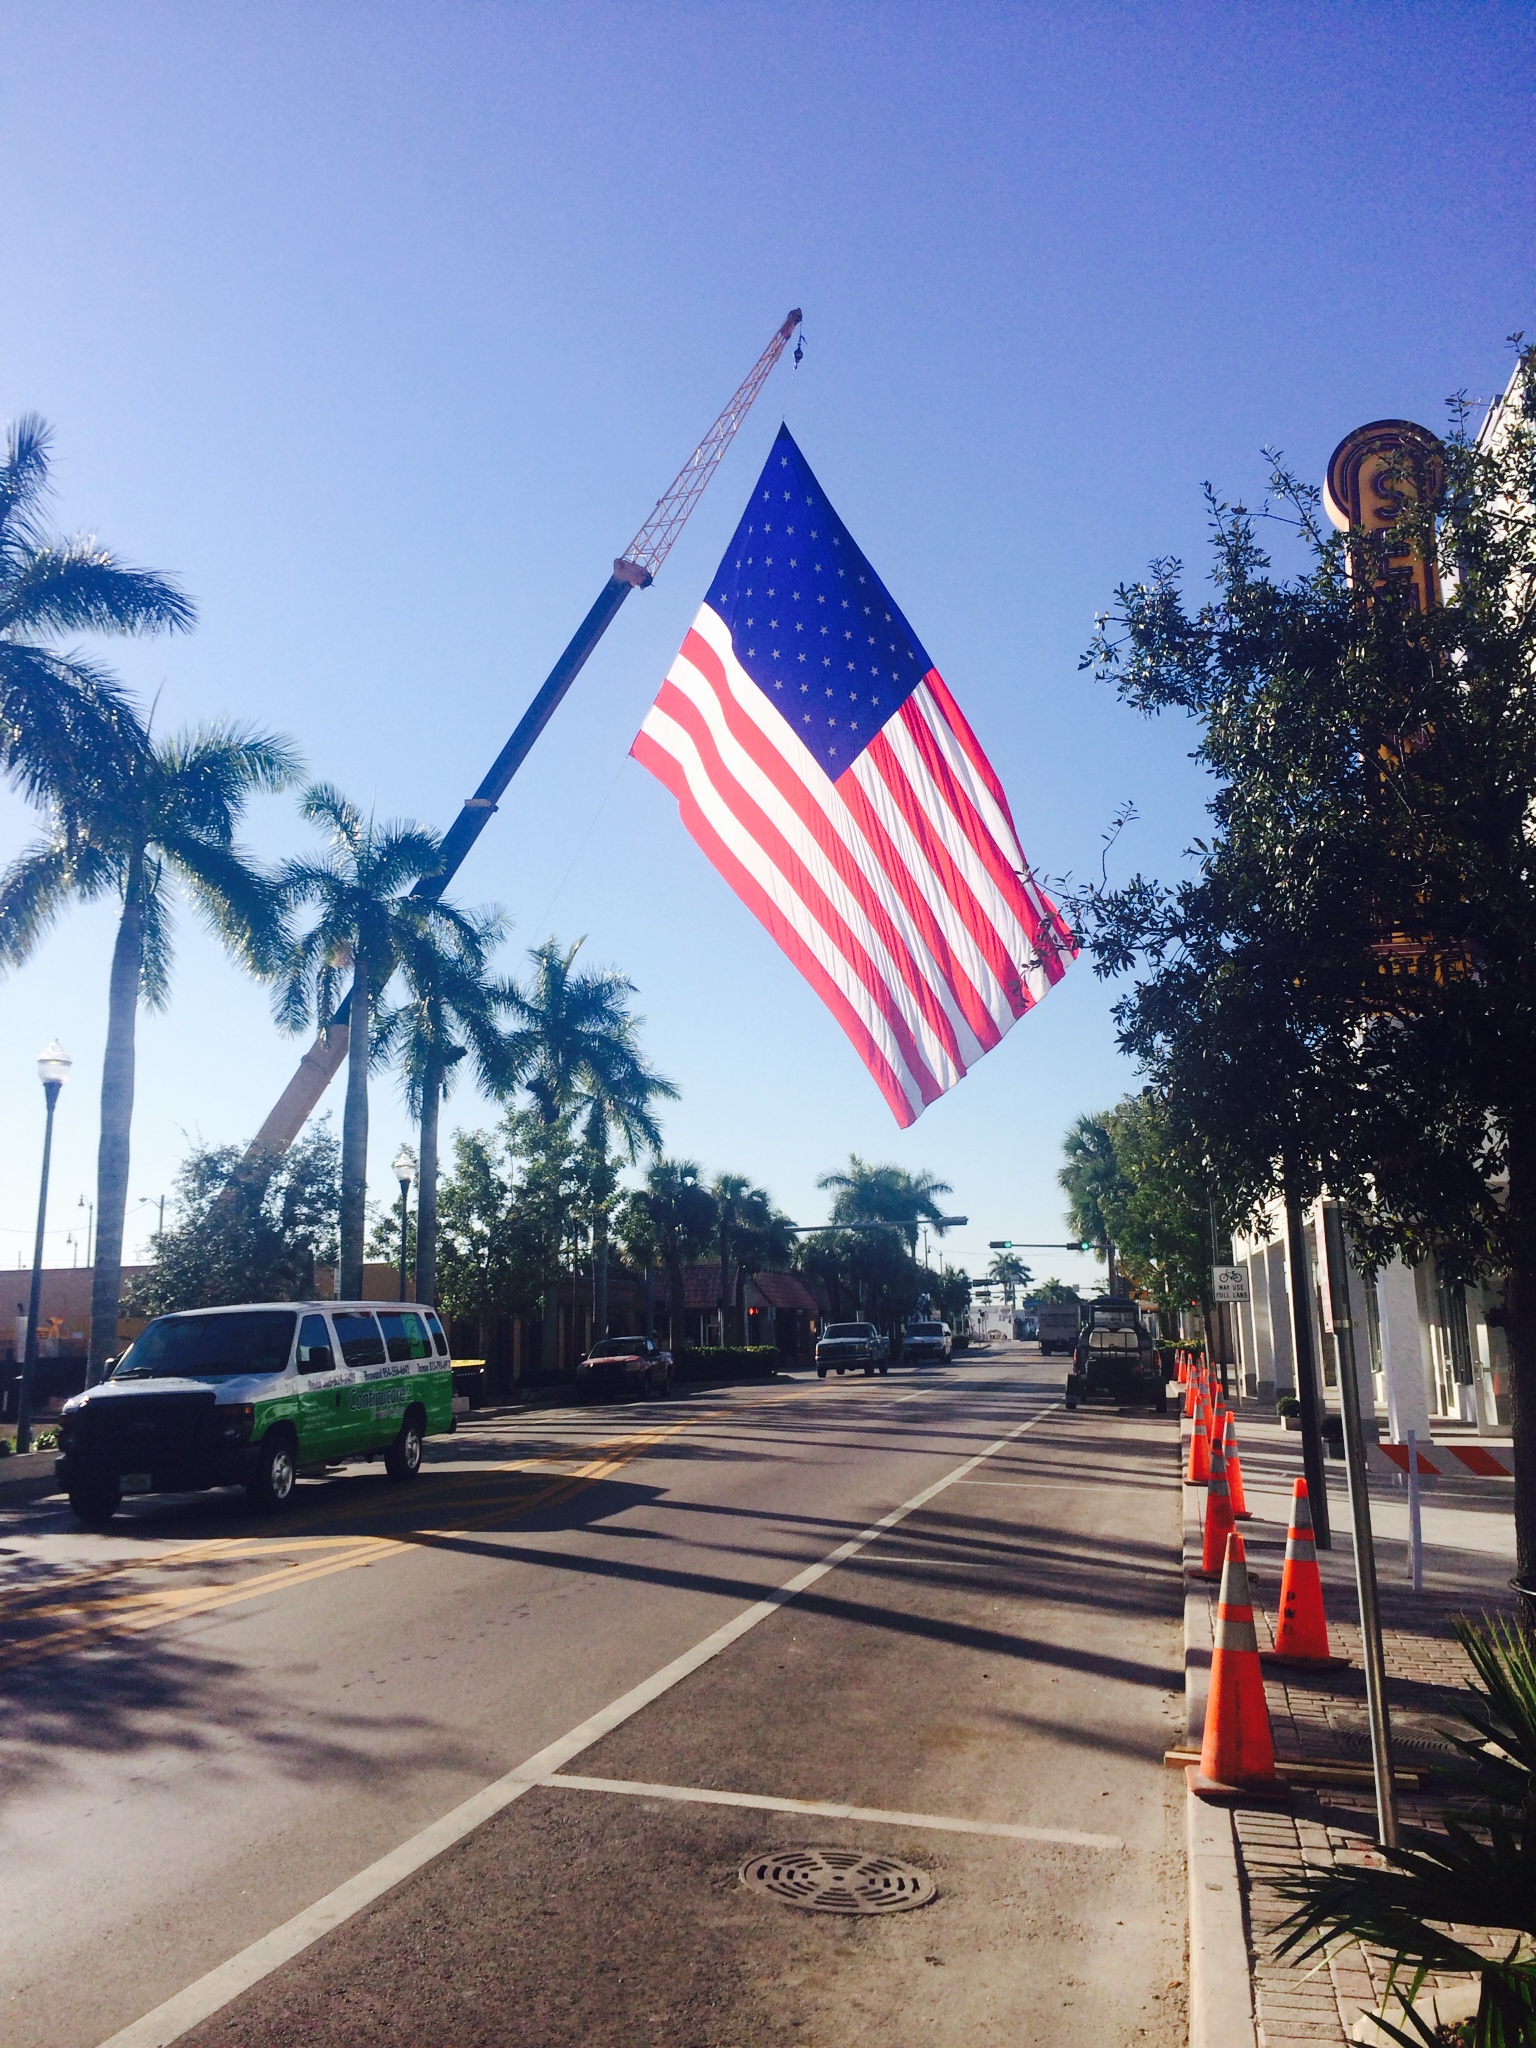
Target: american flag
819, 760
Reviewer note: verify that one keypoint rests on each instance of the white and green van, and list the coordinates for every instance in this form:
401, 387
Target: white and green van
254, 1395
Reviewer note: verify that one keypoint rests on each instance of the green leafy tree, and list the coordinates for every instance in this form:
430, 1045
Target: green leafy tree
1338, 994
1130, 1187
366, 922
243, 1237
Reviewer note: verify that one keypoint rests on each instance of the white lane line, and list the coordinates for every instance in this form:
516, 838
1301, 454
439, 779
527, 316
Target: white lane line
830, 1809
178, 2015
959, 1564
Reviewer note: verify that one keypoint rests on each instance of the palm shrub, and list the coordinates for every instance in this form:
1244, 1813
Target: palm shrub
1406, 1901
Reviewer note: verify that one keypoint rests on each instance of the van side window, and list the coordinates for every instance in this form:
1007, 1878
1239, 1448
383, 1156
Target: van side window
405, 1334
438, 1338
358, 1335
315, 1345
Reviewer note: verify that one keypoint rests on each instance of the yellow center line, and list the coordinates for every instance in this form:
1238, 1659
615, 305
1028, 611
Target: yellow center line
136, 1612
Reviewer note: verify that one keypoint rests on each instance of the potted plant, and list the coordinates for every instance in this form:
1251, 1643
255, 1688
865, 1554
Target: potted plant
1288, 1408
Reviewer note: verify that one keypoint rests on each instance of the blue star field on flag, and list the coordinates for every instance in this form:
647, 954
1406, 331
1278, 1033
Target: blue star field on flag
811, 622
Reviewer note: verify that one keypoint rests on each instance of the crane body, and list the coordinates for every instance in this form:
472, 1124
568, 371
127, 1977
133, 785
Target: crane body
635, 569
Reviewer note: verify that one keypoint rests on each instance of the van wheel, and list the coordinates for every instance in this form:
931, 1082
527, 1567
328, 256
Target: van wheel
884, 1370
271, 1485
95, 1505
403, 1458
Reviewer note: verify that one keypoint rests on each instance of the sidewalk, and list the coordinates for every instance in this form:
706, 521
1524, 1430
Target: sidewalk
1468, 1556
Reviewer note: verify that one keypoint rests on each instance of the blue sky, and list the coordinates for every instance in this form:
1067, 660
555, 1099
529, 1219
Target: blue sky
383, 327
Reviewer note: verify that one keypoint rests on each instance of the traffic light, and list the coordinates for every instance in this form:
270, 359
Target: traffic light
999, 1244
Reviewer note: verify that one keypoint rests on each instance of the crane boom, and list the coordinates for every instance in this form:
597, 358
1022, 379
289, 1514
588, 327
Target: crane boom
635, 569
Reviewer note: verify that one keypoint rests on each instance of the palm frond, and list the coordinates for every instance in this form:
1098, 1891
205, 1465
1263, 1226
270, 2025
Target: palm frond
78, 586
158, 945
207, 775
239, 901
24, 473
33, 890
68, 730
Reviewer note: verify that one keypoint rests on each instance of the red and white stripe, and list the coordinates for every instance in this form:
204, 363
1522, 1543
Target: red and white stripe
900, 890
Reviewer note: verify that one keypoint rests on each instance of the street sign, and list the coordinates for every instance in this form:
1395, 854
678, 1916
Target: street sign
1229, 1283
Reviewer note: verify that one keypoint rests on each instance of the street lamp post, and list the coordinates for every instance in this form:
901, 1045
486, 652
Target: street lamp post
404, 1166
53, 1065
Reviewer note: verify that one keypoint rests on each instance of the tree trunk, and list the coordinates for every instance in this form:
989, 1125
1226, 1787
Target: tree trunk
1520, 1334
675, 1305
426, 1196
723, 1289
600, 1275
354, 1138
117, 1075
1308, 1390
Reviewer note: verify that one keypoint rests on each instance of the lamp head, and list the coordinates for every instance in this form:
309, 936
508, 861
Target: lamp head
53, 1065
405, 1165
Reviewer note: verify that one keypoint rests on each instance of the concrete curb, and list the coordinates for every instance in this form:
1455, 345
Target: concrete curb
28, 1477
1220, 1982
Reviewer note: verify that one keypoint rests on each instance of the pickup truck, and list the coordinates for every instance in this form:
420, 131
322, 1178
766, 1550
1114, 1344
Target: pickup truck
843, 1346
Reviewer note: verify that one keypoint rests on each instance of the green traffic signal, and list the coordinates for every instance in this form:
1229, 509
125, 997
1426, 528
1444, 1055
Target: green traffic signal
999, 1244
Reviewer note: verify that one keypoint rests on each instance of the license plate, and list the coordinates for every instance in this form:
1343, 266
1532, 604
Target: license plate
136, 1482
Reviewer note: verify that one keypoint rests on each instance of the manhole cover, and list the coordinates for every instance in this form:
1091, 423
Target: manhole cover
839, 1881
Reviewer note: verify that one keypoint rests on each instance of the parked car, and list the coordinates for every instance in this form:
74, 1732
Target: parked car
927, 1343
252, 1396
622, 1367
1116, 1359
843, 1346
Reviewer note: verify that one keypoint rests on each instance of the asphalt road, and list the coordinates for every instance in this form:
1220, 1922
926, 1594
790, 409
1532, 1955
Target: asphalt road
215, 1727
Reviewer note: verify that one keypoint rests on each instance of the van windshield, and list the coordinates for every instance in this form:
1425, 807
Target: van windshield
217, 1347
925, 1329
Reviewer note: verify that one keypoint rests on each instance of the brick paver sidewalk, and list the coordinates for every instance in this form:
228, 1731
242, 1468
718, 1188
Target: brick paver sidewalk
1323, 1718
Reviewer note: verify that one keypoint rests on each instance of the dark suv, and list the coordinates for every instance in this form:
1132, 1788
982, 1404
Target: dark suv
624, 1366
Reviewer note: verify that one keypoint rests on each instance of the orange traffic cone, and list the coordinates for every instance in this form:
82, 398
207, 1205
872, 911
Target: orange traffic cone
1238, 1751
1198, 1471
1241, 1512
1191, 1394
1301, 1633
1218, 1516
1180, 1367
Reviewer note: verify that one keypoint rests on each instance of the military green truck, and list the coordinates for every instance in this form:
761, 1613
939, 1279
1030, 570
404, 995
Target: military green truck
254, 1396
1117, 1357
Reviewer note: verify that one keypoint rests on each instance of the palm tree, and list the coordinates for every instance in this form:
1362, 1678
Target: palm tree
142, 821
367, 921
63, 720
619, 1126
886, 1194
729, 1189
670, 1220
1009, 1273
761, 1237
1090, 1177
451, 1009
574, 1042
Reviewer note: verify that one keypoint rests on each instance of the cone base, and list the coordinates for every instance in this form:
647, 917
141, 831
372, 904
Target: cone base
1242, 1514
1284, 1660
1193, 1571
1263, 1792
